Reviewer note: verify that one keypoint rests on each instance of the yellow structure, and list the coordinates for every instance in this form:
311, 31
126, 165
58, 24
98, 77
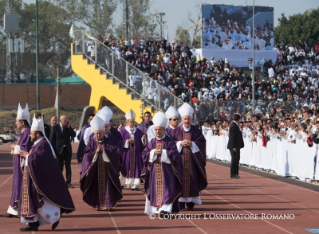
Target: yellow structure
102, 87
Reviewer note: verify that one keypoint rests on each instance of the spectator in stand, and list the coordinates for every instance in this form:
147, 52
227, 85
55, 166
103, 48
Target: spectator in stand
214, 85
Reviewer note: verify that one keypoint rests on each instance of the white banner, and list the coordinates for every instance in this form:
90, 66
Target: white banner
280, 156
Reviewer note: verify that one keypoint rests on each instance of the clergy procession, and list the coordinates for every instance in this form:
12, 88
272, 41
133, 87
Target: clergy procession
164, 159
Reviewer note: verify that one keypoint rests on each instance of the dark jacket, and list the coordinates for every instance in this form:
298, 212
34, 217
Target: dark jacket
47, 130
59, 140
235, 137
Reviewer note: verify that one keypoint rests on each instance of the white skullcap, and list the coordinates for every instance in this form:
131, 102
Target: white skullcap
37, 124
130, 115
171, 112
186, 110
104, 116
97, 124
160, 120
23, 114
108, 111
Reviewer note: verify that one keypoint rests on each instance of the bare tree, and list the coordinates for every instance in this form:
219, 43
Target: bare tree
97, 15
194, 17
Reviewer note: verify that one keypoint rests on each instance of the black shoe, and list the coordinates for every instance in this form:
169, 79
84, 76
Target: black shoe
190, 206
110, 209
134, 189
182, 205
29, 229
55, 224
122, 187
162, 214
70, 186
237, 176
10, 216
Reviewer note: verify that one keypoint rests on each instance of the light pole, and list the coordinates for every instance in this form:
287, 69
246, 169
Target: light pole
253, 65
37, 55
160, 15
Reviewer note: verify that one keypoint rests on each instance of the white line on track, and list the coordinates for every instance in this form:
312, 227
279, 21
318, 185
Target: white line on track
294, 186
247, 212
114, 223
6, 181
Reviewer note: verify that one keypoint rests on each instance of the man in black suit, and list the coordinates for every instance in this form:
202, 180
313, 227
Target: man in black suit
60, 139
53, 121
235, 143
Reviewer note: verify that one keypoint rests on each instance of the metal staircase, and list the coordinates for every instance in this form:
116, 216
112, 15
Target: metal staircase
109, 76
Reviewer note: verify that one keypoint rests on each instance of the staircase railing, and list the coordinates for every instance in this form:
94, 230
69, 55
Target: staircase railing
126, 74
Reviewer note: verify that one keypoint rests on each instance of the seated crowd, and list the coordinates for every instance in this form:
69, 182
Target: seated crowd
213, 86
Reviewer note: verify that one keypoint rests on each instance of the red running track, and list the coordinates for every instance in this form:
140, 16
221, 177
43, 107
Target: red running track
251, 195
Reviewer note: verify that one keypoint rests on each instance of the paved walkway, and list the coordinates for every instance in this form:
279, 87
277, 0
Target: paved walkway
253, 195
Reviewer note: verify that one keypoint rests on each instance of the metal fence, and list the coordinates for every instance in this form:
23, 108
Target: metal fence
206, 110
126, 74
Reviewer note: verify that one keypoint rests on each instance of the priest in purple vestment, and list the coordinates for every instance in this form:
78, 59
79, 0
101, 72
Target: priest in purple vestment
134, 142
80, 153
24, 143
114, 135
100, 181
172, 116
146, 122
191, 145
162, 172
44, 193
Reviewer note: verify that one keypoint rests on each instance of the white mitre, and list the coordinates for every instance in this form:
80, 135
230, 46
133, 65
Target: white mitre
159, 120
108, 111
171, 112
186, 110
130, 115
104, 116
97, 124
23, 114
37, 124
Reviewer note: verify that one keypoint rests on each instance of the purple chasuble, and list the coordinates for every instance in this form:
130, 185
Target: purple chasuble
80, 153
162, 181
42, 178
194, 172
169, 130
132, 156
144, 126
100, 183
118, 141
24, 141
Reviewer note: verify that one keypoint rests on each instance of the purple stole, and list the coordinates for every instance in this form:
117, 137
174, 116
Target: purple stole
101, 175
186, 159
159, 177
25, 193
132, 158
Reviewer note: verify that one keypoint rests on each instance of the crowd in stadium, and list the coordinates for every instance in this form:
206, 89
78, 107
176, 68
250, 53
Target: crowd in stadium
231, 35
213, 85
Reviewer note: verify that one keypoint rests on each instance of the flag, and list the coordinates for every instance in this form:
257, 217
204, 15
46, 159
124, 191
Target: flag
90, 37
166, 37
72, 32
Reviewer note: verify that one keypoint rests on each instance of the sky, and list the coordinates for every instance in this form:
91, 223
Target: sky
176, 10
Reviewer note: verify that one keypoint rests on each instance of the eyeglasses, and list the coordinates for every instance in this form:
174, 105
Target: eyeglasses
174, 119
